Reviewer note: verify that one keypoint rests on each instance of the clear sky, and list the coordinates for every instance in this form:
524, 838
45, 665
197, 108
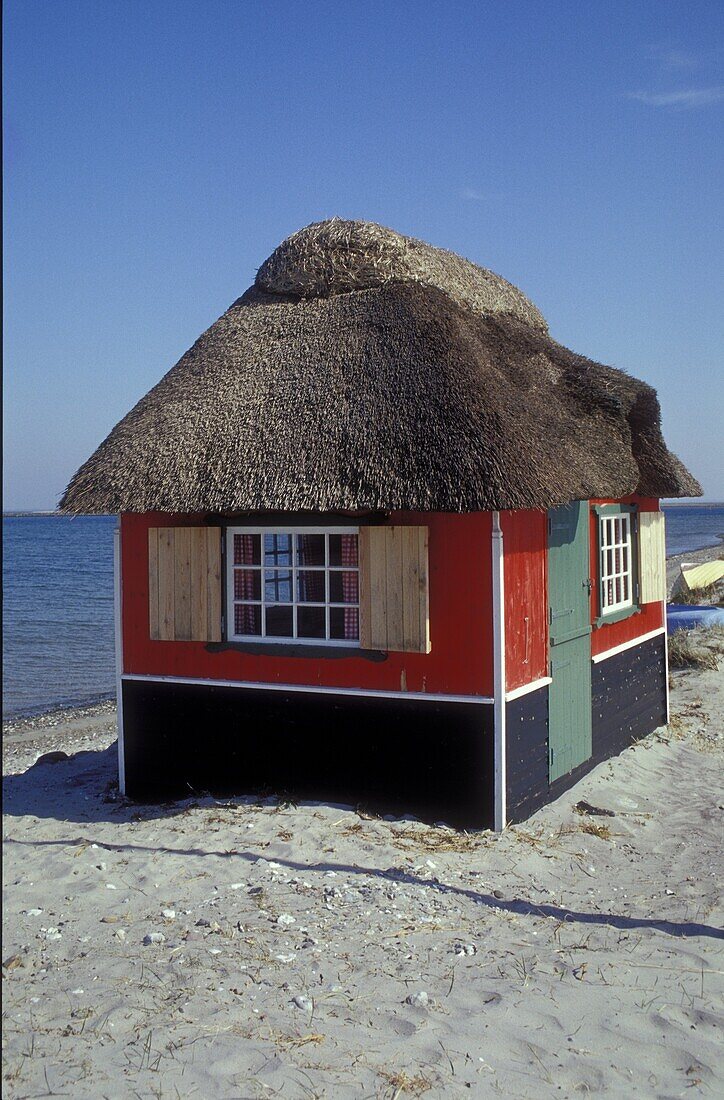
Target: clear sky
156, 152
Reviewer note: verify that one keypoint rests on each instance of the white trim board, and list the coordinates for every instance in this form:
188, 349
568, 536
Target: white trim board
309, 689
628, 645
117, 595
497, 554
535, 685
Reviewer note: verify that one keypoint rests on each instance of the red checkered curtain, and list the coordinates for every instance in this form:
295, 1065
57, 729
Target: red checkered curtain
245, 617
350, 586
311, 585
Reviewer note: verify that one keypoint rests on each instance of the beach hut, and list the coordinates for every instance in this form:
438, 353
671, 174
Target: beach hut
382, 540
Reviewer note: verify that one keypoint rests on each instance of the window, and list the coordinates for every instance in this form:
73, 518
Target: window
294, 585
618, 594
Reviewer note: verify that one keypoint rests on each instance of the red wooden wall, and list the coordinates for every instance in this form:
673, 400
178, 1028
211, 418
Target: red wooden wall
461, 626
460, 661
526, 596
649, 617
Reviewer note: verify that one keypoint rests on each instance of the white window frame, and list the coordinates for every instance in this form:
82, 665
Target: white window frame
327, 569
607, 542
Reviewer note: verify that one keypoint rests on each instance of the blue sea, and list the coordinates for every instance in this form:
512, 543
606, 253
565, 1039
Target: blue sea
58, 632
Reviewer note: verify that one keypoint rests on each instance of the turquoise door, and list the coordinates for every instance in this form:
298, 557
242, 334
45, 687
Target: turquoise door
569, 700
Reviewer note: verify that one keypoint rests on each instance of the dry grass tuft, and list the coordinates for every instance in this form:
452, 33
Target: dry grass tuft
438, 840
401, 1082
594, 828
287, 1042
686, 651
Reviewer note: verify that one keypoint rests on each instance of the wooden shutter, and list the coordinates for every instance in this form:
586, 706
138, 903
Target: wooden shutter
184, 584
394, 612
652, 557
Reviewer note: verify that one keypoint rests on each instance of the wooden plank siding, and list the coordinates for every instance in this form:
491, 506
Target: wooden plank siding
213, 584
394, 601
652, 557
166, 590
459, 591
184, 584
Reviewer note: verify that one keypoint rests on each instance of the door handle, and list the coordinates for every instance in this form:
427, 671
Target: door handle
588, 584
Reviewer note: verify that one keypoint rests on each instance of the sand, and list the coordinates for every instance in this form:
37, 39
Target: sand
249, 949
261, 949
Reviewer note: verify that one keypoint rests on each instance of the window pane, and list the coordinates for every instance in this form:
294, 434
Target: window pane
247, 619
247, 584
618, 590
278, 585
310, 549
344, 587
310, 586
277, 549
609, 563
617, 560
343, 550
624, 583
625, 559
279, 622
608, 593
247, 549
311, 622
344, 623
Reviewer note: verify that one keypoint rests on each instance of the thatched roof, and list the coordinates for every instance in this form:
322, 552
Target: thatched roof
366, 370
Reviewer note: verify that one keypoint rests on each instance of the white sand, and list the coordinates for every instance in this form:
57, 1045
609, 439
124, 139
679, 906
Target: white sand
294, 936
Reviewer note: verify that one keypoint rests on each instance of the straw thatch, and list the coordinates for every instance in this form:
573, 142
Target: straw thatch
365, 370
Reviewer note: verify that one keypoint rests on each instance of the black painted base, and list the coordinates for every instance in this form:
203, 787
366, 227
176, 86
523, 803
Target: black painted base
629, 702
433, 760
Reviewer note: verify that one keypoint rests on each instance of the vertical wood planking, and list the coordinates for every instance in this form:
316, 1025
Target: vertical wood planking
213, 584
410, 587
198, 582
378, 587
154, 624
423, 589
166, 583
184, 581
365, 589
652, 557
394, 597
182, 584
393, 586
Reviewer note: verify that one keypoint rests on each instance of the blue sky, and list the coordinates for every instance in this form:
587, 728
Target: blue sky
156, 153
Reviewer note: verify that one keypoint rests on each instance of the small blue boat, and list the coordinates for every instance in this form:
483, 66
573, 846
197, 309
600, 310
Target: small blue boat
682, 616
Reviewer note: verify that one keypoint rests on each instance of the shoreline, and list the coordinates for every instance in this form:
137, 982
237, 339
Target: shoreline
52, 715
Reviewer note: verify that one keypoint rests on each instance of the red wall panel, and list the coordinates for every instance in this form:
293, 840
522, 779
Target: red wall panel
526, 596
460, 661
649, 617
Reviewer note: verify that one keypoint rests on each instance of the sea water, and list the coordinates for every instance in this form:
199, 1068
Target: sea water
693, 527
58, 626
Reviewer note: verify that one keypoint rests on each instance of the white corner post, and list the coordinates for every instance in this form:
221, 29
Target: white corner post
499, 675
117, 608
662, 567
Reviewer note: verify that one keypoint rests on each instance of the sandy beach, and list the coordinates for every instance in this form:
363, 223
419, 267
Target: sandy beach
254, 948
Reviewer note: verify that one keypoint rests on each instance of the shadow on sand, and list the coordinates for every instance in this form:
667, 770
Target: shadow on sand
81, 790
